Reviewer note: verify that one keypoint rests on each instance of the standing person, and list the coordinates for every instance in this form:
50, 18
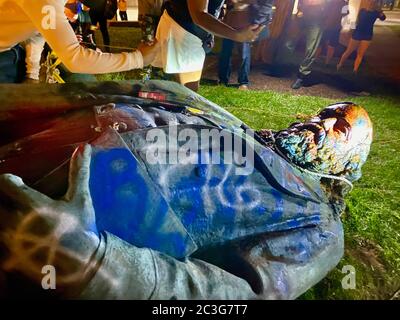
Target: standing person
81, 24
267, 48
150, 12
97, 16
238, 17
311, 20
20, 22
186, 31
123, 7
149, 16
86, 26
362, 35
335, 11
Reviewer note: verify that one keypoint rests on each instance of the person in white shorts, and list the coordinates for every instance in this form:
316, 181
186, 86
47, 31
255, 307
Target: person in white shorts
185, 34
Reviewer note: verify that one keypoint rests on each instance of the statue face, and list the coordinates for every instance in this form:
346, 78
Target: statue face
336, 141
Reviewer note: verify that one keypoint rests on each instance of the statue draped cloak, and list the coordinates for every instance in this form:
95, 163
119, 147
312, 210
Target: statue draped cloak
180, 209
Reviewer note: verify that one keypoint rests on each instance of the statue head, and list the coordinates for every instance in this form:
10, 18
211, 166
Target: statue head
335, 142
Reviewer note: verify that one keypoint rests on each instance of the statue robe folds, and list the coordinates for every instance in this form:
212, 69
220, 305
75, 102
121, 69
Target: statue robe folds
183, 208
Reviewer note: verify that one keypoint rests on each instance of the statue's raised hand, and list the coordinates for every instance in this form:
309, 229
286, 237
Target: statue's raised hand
37, 231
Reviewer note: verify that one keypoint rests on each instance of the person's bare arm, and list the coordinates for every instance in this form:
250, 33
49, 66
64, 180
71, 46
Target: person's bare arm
201, 17
49, 19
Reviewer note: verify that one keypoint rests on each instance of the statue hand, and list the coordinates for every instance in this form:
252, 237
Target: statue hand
37, 231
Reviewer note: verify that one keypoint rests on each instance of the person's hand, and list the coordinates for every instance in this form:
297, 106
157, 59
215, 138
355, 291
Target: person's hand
149, 53
249, 34
37, 231
79, 37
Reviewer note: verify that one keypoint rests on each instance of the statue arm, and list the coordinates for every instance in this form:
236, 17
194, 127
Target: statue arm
129, 272
262, 268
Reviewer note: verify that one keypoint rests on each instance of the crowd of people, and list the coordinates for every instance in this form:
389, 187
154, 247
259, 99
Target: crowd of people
178, 34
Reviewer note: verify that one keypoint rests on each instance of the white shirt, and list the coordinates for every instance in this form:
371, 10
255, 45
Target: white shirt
34, 48
20, 20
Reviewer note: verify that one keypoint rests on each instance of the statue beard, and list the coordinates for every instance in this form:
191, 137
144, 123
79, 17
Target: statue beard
309, 147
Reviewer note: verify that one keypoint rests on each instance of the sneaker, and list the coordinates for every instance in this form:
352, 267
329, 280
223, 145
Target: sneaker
297, 84
243, 87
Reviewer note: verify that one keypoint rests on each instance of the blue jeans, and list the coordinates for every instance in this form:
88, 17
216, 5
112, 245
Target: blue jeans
12, 65
225, 61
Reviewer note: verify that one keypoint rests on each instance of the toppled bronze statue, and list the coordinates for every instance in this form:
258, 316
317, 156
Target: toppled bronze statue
132, 220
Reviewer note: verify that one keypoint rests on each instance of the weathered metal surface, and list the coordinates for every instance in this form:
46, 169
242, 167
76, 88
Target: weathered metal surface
177, 208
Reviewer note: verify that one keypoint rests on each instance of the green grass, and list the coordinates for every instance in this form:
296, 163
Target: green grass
372, 218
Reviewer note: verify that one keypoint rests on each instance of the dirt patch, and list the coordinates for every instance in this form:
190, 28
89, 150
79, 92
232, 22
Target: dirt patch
370, 256
260, 80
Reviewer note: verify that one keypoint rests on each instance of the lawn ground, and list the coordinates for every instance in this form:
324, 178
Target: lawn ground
372, 218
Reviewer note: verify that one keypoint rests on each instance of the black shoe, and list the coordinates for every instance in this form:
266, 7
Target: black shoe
297, 84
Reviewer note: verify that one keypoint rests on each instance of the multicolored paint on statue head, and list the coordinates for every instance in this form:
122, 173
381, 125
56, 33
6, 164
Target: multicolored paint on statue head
336, 141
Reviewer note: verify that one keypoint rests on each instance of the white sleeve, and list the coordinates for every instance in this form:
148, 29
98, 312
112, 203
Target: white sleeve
34, 47
49, 19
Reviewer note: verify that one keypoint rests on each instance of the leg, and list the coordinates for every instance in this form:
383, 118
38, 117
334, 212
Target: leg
313, 39
194, 86
329, 54
104, 32
94, 22
362, 48
332, 43
285, 48
244, 71
190, 80
224, 62
353, 44
319, 52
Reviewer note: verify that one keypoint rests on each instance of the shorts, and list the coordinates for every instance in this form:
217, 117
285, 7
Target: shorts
180, 51
361, 36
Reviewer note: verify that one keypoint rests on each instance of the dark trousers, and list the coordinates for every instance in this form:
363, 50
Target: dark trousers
12, 65
98, 17
312, 30
225, 61
123, 15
